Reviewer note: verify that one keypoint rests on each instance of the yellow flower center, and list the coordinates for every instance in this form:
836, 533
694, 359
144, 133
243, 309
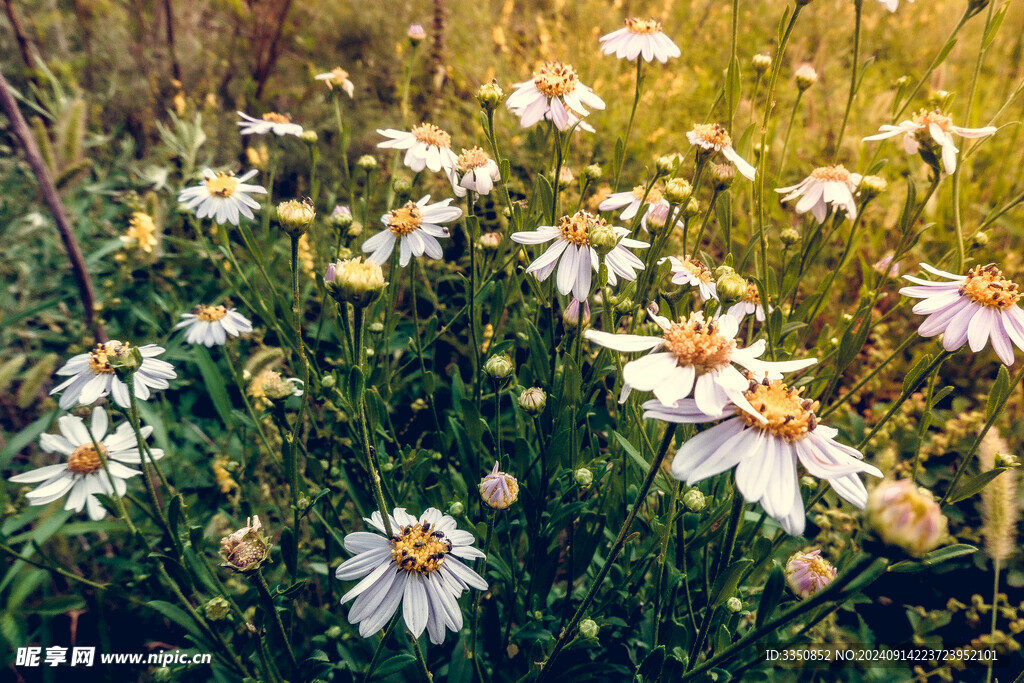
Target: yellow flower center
636, 25
274, 117
837, 173
712, 134
555, 79
576, 228
653, 197
697, 268
222, 185
698, 343
209, 313
926, 118
472, 158
753, 296
986, 285
338, 76
418, 549
430, 134
85, 459
404, 220
99, 360
789, 416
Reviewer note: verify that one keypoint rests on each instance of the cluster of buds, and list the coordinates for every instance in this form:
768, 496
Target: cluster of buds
247, 549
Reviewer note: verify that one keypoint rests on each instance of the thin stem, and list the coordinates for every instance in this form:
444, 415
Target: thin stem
268, 604
935, 63
372, 470
380, 649
789, 131
857, 7
629, 126
421, 659
474, 635
995, 611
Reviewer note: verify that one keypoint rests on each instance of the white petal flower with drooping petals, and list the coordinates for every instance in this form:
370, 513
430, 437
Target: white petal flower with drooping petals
695, 356
970, 309
426, 146
478, 173
931, 129
210, 325
92, 376
416, 227
271, 122
765, 445
632, 200
83, 474
418, 567
640, 38
750, 304
692, 271
711, 137
337, 77
826, 187
222, 196
575, 258
555, 93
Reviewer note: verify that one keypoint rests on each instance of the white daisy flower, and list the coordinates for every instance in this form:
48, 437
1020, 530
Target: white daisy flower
416, 228
970, 309
712, 137
92, 376
827, 186
931, 130
478, 172
692, 271
555, 93
750, 304
83, 474
640, 37
426, 146
222, 196
694, 355
209, 325
764, 447
574, 256
271, 122
632, 200
337, 77
418, 567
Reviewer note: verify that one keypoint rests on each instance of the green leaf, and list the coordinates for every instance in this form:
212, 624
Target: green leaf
725, 585
178, 616
998, 394
393, 665
631, 451
771, 596
650, 668
915, 373
974, 485
216, 387
933, 558
25, 437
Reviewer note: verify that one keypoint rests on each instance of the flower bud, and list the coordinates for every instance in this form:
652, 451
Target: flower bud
694, 500
583, 477
366, 163
678, 191
589, 628
872, 186
247, 549
980, 238
295, 216
490, 96
722, 176
341, 217
940, 99
665, 164
565, 177
807, 573
603, 237
906, 516
309, 137
734, 604
805, 76
499, 367
533, 400
415, 34
498, 489
123, 357
789, 236
490, 241
571, 315
354, 230
761, 63
402, 188
334, 632
355, 280
456, 509
592, 172
217, 609
692, 208
731, 287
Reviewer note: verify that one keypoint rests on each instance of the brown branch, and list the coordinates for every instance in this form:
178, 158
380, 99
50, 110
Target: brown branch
24, 45
49, 190
273, 51
169, 18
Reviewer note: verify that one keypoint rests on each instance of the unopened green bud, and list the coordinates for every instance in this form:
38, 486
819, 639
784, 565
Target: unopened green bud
692, 208
533, 400
722, 176
789, 236
217, 609
583, 477
732, 287
761, 63
295, 216
806, 76
678, 191
734, 604
402, 188
694, 500
490, 96
664, 165
602, 236
366, 163
309, 137
376, 327
333, 632
980, 238
592, 172
124, 358
589, 628
456, 508
872, 186
499, 367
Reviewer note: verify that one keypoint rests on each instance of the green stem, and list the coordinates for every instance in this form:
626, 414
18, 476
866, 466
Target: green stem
629, 126
857, 7
789, 131
268, 605
368, 450
939, 56
421, 659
